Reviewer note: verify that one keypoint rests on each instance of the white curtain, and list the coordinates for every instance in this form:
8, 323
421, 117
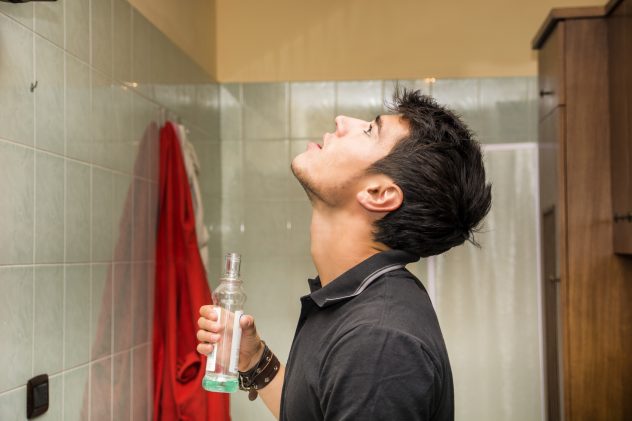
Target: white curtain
487, 299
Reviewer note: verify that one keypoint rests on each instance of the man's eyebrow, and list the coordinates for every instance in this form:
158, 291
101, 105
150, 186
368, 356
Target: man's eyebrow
378, 121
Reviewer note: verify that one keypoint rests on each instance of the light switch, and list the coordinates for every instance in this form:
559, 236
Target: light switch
37, 396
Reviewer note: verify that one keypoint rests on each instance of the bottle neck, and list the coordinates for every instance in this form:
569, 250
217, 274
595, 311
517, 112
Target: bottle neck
230, 280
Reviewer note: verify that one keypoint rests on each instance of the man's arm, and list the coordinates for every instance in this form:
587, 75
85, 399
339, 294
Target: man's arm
271, 394
250, 352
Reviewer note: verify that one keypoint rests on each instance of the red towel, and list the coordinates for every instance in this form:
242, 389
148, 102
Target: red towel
181, 288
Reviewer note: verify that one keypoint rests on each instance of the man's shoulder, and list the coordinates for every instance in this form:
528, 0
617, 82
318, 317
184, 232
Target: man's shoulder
398, 297
399, 304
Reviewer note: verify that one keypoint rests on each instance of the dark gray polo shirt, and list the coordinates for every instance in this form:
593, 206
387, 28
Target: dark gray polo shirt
368, 347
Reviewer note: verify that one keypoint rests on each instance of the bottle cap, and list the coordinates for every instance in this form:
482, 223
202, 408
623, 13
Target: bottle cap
231, 268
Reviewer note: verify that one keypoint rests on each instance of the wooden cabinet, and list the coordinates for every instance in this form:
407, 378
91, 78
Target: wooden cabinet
620, 74
587, 287
550, 72
552, 209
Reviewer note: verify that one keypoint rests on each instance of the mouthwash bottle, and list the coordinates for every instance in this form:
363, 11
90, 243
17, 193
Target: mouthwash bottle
228, 298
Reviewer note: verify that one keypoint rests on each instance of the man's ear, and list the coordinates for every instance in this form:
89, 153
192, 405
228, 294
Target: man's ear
381, 194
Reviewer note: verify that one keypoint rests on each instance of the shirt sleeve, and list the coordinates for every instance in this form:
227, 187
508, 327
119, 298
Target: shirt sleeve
375, 373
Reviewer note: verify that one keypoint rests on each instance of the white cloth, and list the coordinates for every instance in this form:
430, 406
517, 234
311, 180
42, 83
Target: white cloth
192, 165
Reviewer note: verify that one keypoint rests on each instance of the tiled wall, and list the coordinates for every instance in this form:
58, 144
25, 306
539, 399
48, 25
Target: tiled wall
266, 216
78, 177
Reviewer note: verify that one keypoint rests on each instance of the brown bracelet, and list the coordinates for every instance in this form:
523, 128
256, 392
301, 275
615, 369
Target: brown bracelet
261, 374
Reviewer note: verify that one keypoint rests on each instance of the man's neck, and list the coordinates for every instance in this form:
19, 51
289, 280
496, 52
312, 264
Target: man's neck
339, 241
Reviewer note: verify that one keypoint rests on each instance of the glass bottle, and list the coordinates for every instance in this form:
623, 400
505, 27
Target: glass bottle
228, 299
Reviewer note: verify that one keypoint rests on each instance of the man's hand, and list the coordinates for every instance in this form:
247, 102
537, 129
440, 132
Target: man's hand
251, 347
250, 351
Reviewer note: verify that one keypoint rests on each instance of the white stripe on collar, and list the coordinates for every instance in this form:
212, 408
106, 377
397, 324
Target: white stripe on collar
367, 281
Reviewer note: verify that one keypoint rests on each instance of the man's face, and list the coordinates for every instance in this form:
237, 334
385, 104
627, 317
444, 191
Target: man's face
334, 170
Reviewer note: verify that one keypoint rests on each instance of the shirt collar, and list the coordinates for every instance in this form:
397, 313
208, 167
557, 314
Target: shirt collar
359, 277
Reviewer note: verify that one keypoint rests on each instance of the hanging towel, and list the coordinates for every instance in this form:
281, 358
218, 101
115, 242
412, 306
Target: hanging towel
192, 165
181, 288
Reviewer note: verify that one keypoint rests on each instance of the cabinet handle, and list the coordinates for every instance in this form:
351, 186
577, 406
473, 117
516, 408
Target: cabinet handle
545, 93
623, 218
554, 278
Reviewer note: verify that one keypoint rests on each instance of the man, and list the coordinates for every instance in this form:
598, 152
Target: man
368, 344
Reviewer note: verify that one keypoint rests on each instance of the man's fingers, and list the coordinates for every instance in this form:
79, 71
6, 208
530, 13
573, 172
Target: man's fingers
211, 326
205, 336
208, 313
205, 349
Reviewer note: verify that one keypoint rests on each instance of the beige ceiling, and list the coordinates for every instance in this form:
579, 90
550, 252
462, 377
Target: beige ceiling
275, 40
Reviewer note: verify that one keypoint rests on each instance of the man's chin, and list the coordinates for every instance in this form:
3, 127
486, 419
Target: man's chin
301, 178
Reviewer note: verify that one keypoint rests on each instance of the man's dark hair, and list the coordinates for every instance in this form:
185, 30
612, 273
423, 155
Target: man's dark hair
439, 167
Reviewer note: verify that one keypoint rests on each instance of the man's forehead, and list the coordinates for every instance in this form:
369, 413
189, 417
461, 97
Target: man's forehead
393, 126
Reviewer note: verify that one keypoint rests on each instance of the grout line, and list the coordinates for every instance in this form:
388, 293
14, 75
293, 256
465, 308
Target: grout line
113, 318
336, 108
50, 264
288, 110
17, 21
63, 333
89, 340
111, 386
61, 373
90, 61
91, 181
75, 160
242, 146
112, 38
103, 358
63, 338
13, 389
131, 384
33, 323
35, 94
65, 220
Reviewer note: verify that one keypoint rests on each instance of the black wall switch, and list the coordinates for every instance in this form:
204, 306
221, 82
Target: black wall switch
37, 396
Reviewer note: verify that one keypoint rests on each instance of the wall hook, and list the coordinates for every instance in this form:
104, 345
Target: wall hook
33, 86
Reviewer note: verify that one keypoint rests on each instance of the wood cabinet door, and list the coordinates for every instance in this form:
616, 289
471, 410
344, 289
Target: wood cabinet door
551, 71
620, 69
551, 144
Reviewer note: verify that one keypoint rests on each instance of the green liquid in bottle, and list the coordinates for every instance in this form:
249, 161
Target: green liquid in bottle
220, 384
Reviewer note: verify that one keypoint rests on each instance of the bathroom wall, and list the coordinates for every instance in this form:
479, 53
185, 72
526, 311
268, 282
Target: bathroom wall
486, 299
83, 87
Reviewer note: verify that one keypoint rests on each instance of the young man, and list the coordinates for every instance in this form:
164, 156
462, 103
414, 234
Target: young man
368, 344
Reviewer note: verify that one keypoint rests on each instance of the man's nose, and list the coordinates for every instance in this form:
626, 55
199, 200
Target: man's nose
344, 124
340, 125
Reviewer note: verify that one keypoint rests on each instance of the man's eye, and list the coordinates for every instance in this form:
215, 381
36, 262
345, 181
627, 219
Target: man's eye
368, 131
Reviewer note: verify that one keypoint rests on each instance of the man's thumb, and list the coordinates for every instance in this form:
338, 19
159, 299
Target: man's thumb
247, 324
